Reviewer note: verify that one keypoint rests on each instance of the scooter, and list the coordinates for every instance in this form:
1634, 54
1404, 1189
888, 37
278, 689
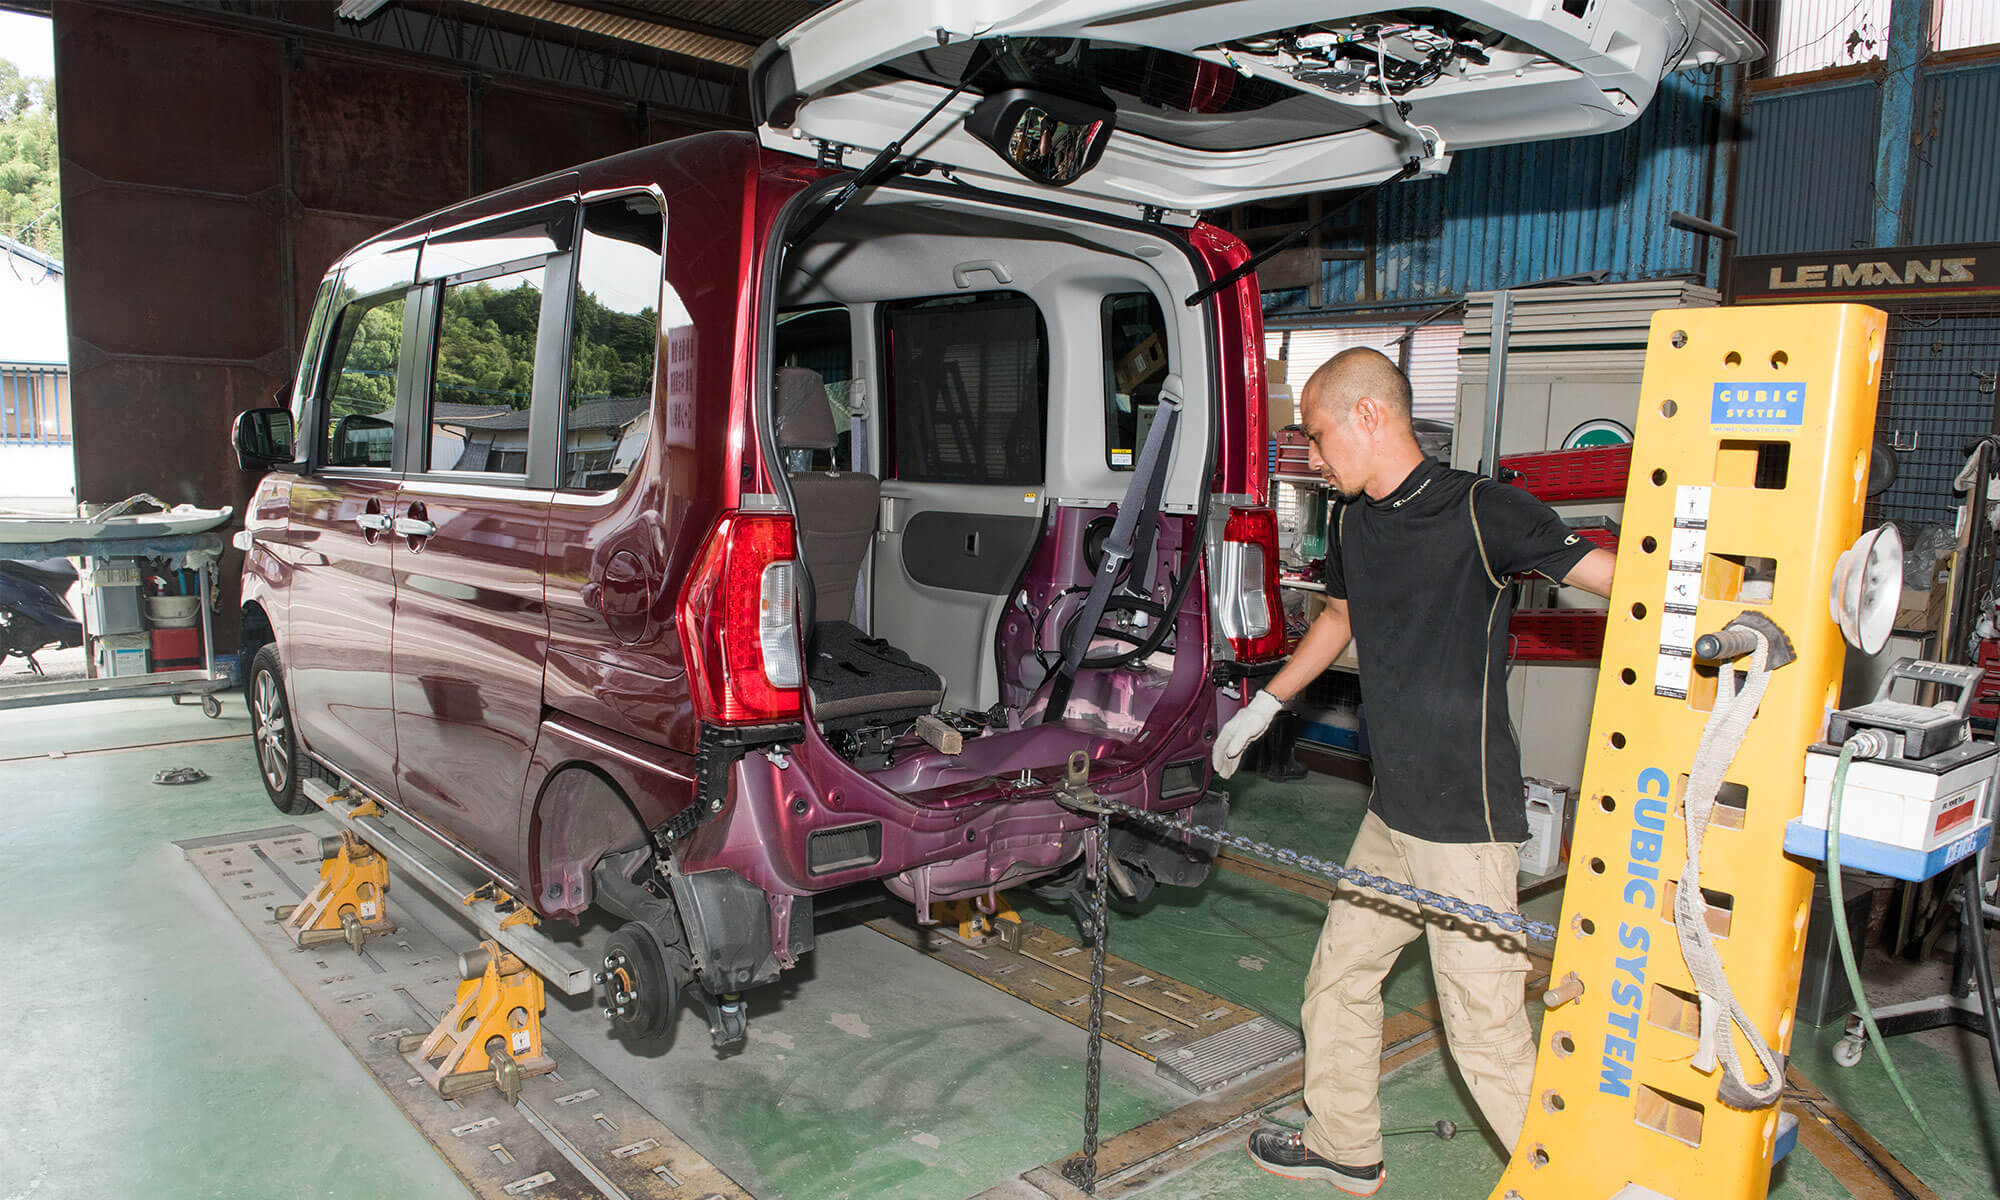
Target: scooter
34, 613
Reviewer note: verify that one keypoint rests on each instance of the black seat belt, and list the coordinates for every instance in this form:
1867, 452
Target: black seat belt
1131, 535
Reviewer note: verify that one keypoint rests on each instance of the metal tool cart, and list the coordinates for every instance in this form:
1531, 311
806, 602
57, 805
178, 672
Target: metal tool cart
197, 552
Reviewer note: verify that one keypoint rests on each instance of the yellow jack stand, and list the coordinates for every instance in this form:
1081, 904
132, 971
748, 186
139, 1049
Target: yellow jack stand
351, 901
976, 924
492, 1037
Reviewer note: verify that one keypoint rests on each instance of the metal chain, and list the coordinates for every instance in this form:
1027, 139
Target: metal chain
1468, 910
1082, 1170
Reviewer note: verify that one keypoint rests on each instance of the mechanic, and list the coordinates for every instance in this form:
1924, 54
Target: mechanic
1416, 574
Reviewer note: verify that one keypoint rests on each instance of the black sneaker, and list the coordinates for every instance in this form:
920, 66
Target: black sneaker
1285, 1155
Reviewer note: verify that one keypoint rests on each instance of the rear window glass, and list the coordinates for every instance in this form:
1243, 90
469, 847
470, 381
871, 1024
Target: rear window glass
968, 386
361, 383
485, 373
1135, 365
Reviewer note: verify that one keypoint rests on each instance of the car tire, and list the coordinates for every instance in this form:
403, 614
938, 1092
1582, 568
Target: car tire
271, 735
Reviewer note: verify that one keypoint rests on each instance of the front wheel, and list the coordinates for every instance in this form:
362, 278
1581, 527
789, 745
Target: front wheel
271, 733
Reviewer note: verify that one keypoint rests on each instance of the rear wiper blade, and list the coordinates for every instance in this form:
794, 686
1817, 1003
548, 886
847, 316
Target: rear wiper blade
886, 161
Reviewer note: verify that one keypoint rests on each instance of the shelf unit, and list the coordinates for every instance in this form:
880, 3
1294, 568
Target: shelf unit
1551, 635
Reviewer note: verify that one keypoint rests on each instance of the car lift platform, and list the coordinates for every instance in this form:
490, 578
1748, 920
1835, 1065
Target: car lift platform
573, 1134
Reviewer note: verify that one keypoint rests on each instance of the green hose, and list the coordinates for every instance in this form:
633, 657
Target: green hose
1847, 962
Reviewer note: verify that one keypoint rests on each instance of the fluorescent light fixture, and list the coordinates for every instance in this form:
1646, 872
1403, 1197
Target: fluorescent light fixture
359, 10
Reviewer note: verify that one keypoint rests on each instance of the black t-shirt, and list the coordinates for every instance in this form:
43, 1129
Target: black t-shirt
1424, 573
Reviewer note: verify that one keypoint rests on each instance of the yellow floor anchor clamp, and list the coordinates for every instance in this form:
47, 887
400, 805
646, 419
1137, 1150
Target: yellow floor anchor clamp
980, 919
351, 901
492, 1036
515, 912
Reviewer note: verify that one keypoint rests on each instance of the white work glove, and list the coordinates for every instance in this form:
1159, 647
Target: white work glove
1239, 731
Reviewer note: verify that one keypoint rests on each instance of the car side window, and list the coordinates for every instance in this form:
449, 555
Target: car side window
306, 380
360, 388
822, 340
614, 338
483, 376
1135, 365
968, 388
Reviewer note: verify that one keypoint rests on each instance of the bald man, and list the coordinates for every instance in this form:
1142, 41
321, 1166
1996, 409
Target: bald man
1416, 575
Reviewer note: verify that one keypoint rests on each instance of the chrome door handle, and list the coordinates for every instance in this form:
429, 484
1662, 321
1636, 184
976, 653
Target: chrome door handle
411, 527
373, 522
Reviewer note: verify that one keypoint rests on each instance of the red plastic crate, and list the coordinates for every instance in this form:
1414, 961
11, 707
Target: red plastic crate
1596, 474
1989, 682
1557, 635
1293, 454
176, 648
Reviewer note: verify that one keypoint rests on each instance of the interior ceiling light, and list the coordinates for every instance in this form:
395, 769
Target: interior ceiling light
359, 10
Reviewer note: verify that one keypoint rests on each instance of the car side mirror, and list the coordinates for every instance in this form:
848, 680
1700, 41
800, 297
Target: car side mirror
1048, 138
264, 439
361, 441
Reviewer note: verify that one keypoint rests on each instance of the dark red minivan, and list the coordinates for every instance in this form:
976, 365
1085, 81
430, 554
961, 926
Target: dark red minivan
703, 529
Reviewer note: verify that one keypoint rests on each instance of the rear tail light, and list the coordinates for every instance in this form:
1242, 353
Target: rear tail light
1247, 601
777, 627
737, 623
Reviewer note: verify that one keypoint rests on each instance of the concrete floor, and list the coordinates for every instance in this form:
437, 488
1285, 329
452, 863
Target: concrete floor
157, 1052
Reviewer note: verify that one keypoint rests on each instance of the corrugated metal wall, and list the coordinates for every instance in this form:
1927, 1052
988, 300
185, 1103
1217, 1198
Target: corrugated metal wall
1806, 172
1517, 214
1512, 215
1955, 167
1805, 175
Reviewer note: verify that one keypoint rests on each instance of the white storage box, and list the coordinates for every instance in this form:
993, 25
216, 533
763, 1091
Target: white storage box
122, 654
1900, 804
1548, 805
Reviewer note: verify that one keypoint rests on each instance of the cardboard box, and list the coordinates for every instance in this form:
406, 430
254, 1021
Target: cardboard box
1921, 611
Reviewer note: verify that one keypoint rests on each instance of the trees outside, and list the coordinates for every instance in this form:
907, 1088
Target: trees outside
611, 352
486, 341
30, 195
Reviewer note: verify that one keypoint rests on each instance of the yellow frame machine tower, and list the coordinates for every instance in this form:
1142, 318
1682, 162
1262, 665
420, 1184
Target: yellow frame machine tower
1749, 468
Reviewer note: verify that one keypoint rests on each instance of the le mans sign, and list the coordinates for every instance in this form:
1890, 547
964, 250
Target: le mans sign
1890, 271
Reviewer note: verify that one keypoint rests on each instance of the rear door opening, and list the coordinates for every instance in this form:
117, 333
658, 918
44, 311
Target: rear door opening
1002, 368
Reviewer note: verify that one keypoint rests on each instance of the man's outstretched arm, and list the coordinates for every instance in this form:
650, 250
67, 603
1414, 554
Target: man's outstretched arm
1593, 574
1323, 642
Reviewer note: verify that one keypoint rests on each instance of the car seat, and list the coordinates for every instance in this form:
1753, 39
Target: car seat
856, 680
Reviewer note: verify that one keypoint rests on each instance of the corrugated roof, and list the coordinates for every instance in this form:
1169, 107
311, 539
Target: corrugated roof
718, 32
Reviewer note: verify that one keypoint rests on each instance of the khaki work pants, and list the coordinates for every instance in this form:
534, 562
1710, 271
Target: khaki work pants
1481, 980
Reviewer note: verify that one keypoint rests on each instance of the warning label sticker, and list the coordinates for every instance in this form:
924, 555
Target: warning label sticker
1685, 555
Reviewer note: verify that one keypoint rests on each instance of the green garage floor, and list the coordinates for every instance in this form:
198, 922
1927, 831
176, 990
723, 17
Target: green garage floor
156, 1052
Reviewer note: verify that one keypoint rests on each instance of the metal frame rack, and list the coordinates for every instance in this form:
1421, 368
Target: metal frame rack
204, 681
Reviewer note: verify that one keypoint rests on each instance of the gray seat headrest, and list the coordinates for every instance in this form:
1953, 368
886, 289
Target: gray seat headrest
805, 415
